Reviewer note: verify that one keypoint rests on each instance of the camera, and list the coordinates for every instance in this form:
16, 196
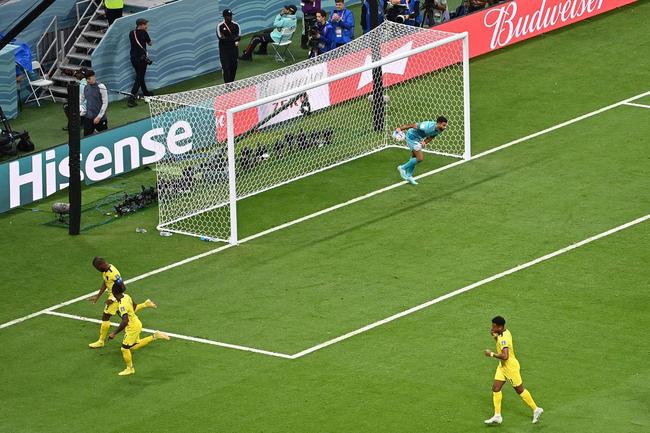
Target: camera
398, 13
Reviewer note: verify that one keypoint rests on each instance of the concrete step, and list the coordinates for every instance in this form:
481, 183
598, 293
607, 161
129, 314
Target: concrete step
63, 77
70, 66
99, 23
92, 34
85, 45
79, 56
59, 90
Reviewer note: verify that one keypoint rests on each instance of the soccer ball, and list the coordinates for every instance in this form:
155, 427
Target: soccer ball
399, 136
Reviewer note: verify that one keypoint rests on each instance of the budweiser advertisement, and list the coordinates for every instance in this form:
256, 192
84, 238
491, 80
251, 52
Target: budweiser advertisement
518, 20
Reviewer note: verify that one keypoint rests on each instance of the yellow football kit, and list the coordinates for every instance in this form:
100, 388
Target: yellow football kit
133, 329
110, 277
507, 370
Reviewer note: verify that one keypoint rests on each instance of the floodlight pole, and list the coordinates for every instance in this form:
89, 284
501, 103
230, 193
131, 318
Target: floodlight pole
74, 158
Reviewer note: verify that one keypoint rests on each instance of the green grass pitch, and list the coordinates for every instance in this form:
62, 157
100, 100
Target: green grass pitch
579, 320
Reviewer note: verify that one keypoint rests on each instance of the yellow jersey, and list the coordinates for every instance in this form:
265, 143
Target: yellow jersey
126, 307
110, 277
505, 340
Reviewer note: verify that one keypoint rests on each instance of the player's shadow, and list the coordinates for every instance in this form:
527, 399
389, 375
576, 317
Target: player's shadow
402, 210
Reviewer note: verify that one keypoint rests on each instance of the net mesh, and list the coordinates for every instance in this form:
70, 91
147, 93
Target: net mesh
297, 129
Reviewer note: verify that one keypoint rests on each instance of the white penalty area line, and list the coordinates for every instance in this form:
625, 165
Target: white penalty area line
632, 104
179, 336
470, 287
331, 208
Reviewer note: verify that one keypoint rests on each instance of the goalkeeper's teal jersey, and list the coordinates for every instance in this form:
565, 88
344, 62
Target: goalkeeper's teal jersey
424, 129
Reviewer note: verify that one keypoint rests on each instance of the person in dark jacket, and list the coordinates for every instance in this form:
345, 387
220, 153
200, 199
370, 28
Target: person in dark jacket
309, 10
139, 39
365, 15
94, 103
229, 35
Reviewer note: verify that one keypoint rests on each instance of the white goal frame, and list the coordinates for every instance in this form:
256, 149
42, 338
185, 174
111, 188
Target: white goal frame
231, 136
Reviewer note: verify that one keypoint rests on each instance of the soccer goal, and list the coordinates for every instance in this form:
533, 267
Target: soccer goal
240, 139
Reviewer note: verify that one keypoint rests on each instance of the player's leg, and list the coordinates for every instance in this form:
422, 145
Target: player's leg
527, 398
406, 169
155, 336
128, 360
146, 304
497, 396
104, 328
131, 338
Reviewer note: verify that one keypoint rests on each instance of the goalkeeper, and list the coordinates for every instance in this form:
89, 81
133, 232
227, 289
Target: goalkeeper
417, 136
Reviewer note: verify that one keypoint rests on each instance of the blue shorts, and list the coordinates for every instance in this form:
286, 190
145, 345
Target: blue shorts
413, 143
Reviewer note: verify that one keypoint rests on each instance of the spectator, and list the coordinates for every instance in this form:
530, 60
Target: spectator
342, 20
139, 39
476, 5
309, 10
440, 12
285, 20
94, 103
365, 15
79, 74
461, 10
322, 37
114, 10
228, 34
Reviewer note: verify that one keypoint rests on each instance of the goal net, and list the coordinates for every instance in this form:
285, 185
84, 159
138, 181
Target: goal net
232, 141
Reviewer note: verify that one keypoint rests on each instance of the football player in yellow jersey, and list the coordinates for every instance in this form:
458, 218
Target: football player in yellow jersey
507, 370
110, 275
132, 326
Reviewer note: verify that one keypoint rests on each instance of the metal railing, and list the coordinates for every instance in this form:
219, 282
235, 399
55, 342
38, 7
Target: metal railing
84, 18
47, 47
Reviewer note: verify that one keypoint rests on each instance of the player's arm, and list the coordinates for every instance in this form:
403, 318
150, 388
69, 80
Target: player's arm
407, 127
102, 289
123, 324
427, 140
503, 356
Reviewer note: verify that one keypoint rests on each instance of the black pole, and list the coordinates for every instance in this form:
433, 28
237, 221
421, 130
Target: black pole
27, 20
74, 158
379, 108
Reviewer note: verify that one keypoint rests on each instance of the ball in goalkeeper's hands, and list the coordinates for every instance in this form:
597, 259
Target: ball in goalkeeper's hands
399, 135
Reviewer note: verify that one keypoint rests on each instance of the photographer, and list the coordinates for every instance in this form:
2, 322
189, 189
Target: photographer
229, 35
309, 10
403, 12
285, 19
139, 39
322, 36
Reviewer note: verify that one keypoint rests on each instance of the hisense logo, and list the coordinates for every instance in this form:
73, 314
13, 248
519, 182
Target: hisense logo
507, 25
45, 175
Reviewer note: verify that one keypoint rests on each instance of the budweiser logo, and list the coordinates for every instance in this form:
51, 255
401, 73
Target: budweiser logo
507, 25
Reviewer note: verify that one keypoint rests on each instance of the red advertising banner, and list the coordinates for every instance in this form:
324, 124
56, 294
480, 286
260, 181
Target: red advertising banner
489, 30
519, 20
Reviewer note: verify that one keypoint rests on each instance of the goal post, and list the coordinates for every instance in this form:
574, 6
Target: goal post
263, 132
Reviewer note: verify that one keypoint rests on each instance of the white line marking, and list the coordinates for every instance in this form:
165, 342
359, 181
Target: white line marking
335, 207
470, 287
180, 336
637, 105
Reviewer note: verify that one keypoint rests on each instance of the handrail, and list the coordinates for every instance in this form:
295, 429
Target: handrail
74, 34
76, 5
54, 22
